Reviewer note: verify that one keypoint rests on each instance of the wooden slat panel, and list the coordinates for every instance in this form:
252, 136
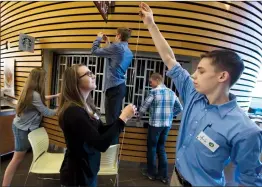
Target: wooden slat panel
18, 5
29, 64
190, 15
56, 138
55, 133
20, 54
59, 144
52, 17
248, 8
128, 24
51, 121
187, 43
3, 3
50, 126
36, 8
144, 148
186, 35
52, 21
28, 69
231, 9
144, 131
140, 159
143, 154
111, 32
228, 14
143, 136
171, 12
88, 24
143, 142
32, 58
258, 6
7, 5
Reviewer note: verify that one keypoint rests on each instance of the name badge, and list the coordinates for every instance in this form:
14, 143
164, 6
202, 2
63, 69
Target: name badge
207, 141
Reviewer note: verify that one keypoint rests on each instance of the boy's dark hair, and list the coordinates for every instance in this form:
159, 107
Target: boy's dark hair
226, 60
125, 33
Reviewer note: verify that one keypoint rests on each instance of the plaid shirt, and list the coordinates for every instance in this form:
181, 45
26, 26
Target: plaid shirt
163, 105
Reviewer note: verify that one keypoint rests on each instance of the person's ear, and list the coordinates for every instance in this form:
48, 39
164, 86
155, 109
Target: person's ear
223, 76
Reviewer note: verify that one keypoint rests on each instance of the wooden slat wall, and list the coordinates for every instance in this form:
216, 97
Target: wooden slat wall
191, 29
133, 141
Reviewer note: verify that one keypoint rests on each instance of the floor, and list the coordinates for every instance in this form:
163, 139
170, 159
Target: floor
130, 175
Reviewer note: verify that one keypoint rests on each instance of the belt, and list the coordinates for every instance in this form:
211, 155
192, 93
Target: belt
182, 180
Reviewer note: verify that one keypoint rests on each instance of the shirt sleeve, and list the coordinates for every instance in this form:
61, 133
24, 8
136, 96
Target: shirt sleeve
39, 105
177, 107
182, 81
107, 51
149, 99
85, 127
246, 154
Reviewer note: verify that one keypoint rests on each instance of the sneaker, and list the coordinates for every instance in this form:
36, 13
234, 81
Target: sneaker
163, 180
145, 173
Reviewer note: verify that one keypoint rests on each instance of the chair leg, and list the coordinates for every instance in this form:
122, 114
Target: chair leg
116, 180
26, 178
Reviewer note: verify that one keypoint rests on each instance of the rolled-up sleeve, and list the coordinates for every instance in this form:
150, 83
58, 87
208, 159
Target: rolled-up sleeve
146, 103
177, 107
182, 81
246, 155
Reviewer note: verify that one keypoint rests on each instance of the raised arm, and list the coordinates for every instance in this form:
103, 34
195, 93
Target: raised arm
103, 52
179, 76
163, 48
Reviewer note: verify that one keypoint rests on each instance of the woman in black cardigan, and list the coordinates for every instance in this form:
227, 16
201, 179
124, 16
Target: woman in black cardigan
84, 132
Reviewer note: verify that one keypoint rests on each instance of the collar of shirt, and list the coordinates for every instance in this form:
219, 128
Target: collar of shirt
160, 86
225, 108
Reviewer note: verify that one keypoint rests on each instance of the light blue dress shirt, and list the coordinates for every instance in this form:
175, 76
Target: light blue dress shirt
119, 59
239, 139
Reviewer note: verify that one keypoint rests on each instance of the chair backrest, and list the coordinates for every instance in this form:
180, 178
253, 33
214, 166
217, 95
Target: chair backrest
39, 142
109, 159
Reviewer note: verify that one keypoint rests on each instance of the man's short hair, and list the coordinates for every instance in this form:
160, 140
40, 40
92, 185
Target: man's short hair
125, 33
157, 77
226, 60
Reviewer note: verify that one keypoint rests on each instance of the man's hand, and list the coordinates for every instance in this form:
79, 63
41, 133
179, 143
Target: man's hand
106, 39
146, 14
100, 34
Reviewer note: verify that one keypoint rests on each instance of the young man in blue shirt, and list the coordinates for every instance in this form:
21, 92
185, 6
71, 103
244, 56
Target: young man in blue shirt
163, 105
214, 129
119, 58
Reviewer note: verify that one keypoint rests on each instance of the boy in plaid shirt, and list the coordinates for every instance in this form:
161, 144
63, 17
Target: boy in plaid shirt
163, 105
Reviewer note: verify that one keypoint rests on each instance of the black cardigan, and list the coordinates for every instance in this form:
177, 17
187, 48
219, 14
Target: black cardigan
85, 139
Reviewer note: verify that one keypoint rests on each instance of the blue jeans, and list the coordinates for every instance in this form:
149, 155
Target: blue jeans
21, 139
156, 139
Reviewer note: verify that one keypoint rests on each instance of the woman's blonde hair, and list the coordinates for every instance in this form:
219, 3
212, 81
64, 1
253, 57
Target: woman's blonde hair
71, 95
35, 82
